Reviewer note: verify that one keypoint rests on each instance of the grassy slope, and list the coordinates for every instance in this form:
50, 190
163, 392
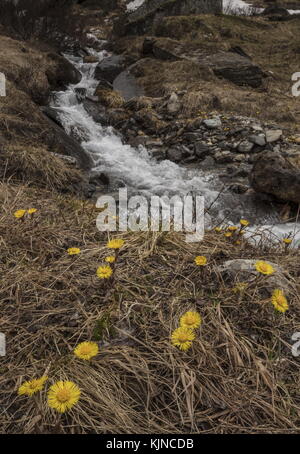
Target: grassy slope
240, 375
272, 45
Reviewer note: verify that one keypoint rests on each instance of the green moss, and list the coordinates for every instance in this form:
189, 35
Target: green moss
103, 328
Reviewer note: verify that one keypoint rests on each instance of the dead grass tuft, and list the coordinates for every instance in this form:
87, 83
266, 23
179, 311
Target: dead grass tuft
36, 166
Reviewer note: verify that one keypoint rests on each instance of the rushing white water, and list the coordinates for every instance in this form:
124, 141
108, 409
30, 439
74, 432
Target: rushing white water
140, 173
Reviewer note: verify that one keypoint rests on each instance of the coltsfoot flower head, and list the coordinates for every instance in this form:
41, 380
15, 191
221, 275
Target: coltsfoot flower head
191, 320
232, 228
244, 222
200, 260
104, 272
63, 395
30, 387
116, 243
287, 240
86, 350
279, 301
32, 210
218, 229
73, 251
264, 267
183, 338
110, 259
228, 234
19, 214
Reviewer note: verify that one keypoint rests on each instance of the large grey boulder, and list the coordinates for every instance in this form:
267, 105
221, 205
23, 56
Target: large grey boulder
236, 68
109, 68
144, 19
275, 175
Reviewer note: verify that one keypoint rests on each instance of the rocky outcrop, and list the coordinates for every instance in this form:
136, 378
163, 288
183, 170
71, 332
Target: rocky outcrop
276, 12
145, 18
275, 175
236, 68
109, 68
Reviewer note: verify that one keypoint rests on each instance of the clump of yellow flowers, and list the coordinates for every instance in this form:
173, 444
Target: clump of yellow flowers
107, 271
19, 214
183, 336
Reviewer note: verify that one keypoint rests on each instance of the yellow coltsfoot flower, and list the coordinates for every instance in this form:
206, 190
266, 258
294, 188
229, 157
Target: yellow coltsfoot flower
104, 272
264, 267
73, 251
19, 214
182, 338
30, 387
115, 244
287, 240
200, 260
244, 222
110, 259
279, 301
32, 210
232, 228
63, 395
86, 350
191, 320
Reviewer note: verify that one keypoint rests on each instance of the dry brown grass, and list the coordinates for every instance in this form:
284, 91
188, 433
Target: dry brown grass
37, 166
240, 375
272, 45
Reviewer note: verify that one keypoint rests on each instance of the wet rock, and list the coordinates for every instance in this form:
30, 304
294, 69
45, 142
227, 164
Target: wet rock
213, 123
64, 144
96, 111
238, 188
201, 149
259, 139
175, 154
97, 179
126, 84
174, 105
54, 114
236, 68
149, 120
109, 68
245, 146
223, 157
158, 153
191, 137
275, 175
208, 163
80, 93
272, 135
166, 49
62, 72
